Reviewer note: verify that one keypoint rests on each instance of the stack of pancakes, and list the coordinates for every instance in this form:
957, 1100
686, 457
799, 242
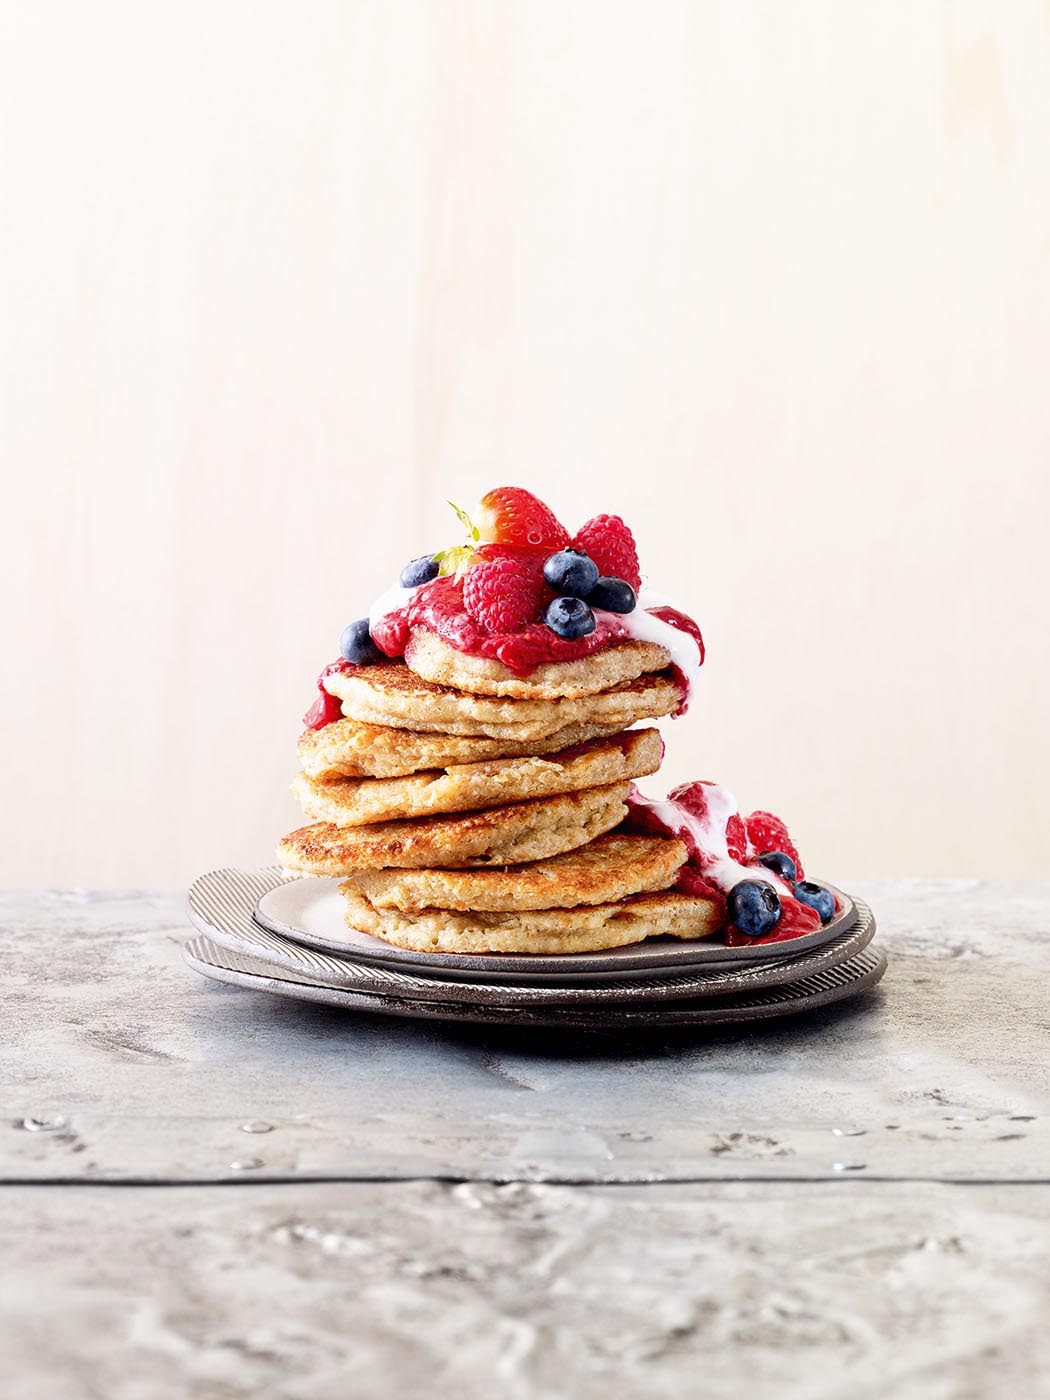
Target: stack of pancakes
470, 810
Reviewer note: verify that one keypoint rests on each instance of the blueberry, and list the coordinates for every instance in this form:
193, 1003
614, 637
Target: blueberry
419, 571
754, 907
572, 572
613, 595
569, 618
780, 864
818, 898
356, 644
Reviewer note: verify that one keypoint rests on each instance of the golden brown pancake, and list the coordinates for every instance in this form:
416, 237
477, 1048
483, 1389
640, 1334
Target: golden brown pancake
506, 835
349, 749
433, 659
390, 694
603, 871
470, 786
539, 931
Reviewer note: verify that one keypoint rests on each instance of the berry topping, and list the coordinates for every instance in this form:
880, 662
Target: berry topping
765, 832
753, 907
795, 919
818, 898
683, 622
571, 572
569, 617
781, 864
611, 545
691, 881
503, 594
692, 796
356, 644
325, 708
419, 571
736, 838
511, 515
613, 595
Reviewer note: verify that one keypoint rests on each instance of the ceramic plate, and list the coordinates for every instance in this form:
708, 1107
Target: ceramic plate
855, 975
222, 906
312, 911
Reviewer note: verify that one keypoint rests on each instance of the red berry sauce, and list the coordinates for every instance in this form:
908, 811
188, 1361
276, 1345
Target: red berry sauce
326, 708
439, 607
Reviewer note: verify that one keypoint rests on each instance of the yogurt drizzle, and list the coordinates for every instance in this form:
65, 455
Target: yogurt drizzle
642, 626
706, 837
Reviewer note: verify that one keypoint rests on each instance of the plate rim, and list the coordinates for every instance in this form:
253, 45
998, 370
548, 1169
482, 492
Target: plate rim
225, 920
667, 959
871, 968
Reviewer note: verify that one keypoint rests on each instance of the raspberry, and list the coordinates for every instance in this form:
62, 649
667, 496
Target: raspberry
504, 595
611, 545
531, 559
765, 832
736, 838
511, 515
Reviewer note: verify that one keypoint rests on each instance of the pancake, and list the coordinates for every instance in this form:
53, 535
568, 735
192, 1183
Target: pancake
539, 931
603, 871
433, 659
470, 786
390, 694
347, 748
497, 836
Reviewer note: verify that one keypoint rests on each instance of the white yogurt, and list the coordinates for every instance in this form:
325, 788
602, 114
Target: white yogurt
710, 835
392, 600
642, 626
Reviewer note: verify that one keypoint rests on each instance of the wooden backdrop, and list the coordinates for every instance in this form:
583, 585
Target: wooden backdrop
771, 279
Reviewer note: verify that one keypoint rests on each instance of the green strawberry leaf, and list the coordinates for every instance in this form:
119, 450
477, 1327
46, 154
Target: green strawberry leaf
456, 560
473, 533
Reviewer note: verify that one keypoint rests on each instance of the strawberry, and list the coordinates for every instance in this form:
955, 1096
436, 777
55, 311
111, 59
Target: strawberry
765, 832
503, 594
512, 515
611, 545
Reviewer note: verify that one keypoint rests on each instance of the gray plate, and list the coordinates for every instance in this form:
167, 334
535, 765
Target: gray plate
312, 911
222, 909
855, 975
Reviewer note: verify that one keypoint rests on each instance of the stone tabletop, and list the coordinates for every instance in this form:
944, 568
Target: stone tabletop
856, 1201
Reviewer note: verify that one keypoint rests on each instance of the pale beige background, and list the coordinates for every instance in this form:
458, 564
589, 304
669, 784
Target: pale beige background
771, 279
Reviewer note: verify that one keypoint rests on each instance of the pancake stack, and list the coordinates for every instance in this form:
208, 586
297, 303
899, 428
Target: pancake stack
469, 810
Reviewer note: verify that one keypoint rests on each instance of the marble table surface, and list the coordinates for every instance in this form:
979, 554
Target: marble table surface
852, 1202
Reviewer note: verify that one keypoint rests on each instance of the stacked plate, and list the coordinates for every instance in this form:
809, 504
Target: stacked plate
290, 938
